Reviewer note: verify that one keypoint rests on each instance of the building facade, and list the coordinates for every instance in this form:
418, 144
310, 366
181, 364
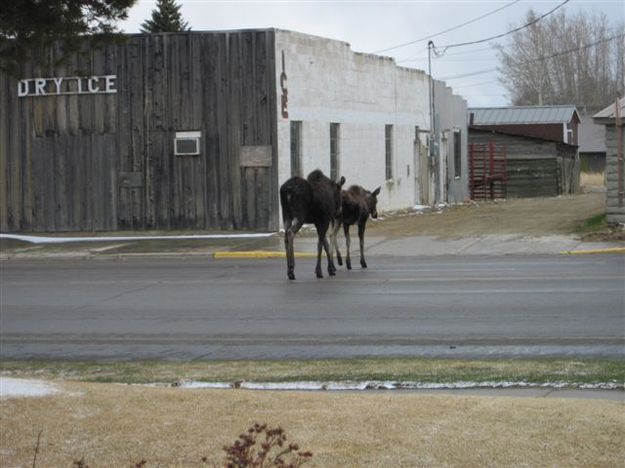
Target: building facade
591, 145
197, 130
613, 118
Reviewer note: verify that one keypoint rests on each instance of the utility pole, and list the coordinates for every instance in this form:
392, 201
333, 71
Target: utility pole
434, 161
430, 47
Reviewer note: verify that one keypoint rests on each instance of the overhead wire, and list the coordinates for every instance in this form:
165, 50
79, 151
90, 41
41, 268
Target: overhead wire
447, 30
425, 57
520, 28
539, 59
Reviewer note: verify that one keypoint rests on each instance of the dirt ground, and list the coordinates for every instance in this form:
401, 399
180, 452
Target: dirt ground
121, 425
565, 215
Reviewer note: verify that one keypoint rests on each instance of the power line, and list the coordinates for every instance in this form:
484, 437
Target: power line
447, 30
534, 21
470, 85
424, 57
539, 59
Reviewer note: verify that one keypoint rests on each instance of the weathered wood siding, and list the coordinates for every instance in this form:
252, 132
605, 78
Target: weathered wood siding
535, 167
106, 162
615, 210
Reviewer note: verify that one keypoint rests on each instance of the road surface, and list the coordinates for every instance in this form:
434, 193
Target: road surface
199, 308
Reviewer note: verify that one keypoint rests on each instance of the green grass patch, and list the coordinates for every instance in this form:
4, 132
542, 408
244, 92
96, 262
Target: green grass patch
596, 223
535, 371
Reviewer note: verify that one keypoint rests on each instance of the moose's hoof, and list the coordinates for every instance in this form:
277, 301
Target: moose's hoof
291, 275
349, 265
363, 264
339, 260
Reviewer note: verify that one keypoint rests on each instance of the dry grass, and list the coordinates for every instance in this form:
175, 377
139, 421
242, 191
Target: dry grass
119, 425
592, 179
515, 216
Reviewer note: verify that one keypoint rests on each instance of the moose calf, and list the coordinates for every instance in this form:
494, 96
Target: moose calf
357, 205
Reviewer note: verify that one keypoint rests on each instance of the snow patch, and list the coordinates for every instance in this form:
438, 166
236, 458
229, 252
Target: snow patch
214, 385
64, 240
395, 385
15, 388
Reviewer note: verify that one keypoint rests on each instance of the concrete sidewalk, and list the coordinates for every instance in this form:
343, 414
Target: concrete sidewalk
271, 245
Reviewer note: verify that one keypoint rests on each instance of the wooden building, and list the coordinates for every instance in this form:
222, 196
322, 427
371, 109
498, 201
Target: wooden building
540, 144
613, 118
163, 131
535, 167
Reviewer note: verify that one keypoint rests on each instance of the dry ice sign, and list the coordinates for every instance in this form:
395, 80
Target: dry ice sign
60, 86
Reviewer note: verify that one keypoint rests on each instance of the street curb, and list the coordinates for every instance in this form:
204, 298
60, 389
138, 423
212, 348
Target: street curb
612, 250
260, 254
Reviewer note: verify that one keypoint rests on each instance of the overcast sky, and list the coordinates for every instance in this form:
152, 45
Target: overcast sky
371, 26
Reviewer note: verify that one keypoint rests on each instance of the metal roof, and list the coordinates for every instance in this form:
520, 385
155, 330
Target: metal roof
610, 111
522, 115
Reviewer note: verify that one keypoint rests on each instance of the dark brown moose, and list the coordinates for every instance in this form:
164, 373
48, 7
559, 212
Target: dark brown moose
315, 200
357, 205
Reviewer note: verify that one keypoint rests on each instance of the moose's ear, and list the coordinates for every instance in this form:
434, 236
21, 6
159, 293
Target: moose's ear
342, 181
376, 192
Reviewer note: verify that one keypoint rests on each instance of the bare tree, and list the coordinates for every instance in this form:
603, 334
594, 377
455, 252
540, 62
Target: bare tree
565, 60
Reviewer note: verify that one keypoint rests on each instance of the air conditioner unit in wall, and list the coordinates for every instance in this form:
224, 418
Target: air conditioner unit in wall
187, 143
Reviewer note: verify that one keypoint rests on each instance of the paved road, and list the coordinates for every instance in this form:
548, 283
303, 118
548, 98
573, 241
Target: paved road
205, 308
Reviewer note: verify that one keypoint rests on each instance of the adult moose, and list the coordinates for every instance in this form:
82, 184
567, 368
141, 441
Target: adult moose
316, 200
357, 205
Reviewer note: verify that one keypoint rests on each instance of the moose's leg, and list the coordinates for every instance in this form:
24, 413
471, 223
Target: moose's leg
348, 259
320, 235
322, 242
330, 255
288, 240
361, 237
289, 235
335, 243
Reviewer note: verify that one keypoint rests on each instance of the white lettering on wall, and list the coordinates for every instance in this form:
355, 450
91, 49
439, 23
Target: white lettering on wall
40, 84
57, 82
110, 83
59, 86
22, 88
93, 87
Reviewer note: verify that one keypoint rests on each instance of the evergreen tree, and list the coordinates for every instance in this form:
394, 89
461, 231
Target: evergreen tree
166, 17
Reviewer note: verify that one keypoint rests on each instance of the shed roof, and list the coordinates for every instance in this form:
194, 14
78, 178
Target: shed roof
522, 115
609, 113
